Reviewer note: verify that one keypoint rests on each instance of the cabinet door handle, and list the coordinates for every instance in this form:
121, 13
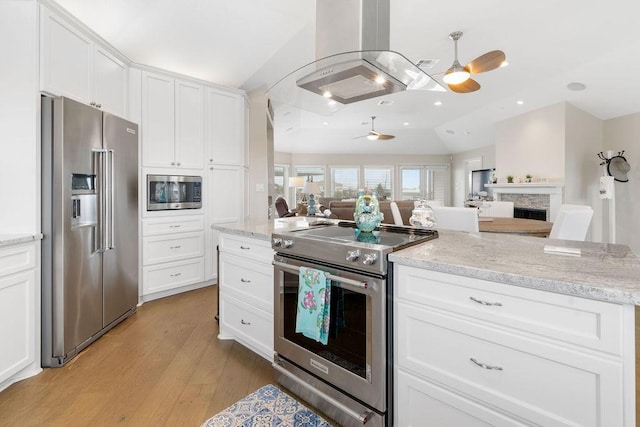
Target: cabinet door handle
485, 366
244, 322
496, 304
245, 247
175, 247
175, 275
245, 280
174, 226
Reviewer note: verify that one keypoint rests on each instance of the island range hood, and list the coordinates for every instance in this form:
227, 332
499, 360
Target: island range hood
354, 61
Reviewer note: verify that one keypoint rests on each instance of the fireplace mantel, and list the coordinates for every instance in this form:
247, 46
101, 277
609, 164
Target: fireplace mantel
528, 187
553, 189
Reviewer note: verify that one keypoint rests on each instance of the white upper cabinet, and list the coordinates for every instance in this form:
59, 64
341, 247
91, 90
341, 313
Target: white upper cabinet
189, 125
109, 82
225, 138
172, 122
157, 120
72, 65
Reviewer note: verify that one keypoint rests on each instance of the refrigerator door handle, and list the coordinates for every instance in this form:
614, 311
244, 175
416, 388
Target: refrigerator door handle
111, 197
100, 170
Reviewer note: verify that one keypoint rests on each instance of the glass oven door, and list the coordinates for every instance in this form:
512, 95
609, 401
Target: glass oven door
354, 358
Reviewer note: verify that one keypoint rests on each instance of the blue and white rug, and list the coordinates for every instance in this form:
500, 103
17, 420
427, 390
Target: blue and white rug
267, 407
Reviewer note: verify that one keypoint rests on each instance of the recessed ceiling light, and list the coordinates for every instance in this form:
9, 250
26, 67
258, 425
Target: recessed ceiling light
380, 79
437, 103
520, 102
325, 123
576, 86
326, 94
450, 131
406, 123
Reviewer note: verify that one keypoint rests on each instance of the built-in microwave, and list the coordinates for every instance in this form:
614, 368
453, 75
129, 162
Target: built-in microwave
166, 192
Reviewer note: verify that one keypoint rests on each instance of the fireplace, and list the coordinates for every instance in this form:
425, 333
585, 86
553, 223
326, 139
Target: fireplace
545, 197
530, 213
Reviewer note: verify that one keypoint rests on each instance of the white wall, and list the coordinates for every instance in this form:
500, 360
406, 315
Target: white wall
533, 143
458, 178
583, 140
19, 118
623, 133
260, 156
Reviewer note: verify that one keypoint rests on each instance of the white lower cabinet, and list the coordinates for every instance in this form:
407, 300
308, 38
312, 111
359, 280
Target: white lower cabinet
423, 403
502, 361
19, 313
172, 255
246, 292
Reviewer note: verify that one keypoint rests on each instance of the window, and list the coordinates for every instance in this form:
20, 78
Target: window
378, 179
425, 182
344, 182
313, 173
279, 176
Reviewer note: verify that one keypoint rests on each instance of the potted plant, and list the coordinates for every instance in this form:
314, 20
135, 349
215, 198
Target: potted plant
510, 179
528, 177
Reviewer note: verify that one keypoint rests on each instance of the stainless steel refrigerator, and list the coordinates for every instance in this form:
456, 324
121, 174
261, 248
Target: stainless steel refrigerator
90, 225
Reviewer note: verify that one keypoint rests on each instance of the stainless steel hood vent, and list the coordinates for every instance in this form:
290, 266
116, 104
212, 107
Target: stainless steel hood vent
352, 42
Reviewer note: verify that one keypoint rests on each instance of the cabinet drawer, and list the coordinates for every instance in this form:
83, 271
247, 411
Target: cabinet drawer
546, 384
159, 249
17, 258
251, 326
580, 321
159, 226
255, 249
168, 276
251, 282
421, 403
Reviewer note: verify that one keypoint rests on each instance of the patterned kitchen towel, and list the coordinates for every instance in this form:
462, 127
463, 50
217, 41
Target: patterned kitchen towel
314, 297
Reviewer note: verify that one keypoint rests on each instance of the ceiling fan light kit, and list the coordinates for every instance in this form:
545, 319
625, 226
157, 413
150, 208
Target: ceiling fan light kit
373, 135
458, 78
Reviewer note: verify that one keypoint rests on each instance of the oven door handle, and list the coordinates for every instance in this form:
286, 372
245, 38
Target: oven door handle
356, 283
361, 418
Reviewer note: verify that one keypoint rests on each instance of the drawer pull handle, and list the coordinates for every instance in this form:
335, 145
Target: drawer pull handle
245, 247
245, 280
496, 304
175, 275
484, 366
174, 226
244, 322
175, 247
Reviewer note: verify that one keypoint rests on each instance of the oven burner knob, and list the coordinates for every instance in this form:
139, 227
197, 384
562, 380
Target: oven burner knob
277, 242
353, 255
288, 244
369, 259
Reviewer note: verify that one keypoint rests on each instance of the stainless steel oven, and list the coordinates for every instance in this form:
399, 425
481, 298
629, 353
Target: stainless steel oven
354, 358
350, 377
168, 192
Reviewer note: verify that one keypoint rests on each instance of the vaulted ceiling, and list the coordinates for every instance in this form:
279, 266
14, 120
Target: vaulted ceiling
251, 44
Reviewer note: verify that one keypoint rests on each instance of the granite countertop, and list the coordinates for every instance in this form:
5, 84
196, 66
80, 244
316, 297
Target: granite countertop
263, 229
16, 239
603, 271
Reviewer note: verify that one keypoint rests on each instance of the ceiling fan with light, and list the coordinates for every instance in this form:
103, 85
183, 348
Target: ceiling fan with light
458, 78
373, 135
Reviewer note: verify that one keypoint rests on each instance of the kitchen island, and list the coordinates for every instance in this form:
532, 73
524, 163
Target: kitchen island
494, 329
491, 329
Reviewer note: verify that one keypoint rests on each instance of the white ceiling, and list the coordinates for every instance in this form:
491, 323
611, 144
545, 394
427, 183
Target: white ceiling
252, 43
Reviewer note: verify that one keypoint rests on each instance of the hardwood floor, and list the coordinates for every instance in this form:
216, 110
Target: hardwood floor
162, 366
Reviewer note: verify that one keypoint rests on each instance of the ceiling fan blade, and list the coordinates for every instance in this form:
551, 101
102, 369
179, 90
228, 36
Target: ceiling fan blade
383, 136
487, 62
467, 86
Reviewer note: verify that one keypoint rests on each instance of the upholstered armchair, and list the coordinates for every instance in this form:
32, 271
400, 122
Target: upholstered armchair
282, 208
